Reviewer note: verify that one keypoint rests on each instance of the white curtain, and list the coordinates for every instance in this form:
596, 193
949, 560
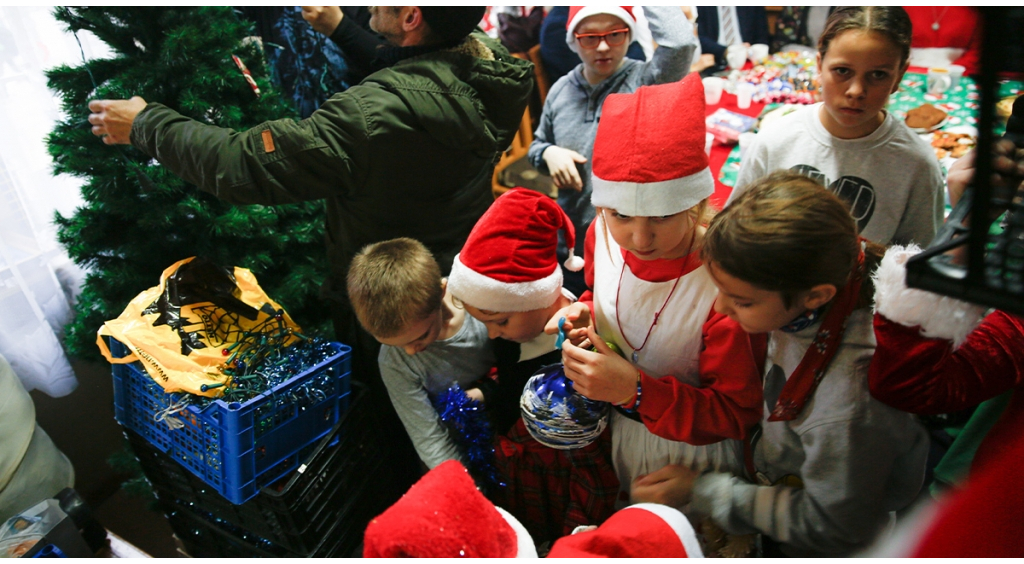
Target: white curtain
38, 283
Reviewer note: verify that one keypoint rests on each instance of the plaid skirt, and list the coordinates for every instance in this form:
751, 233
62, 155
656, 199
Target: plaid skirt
550, 491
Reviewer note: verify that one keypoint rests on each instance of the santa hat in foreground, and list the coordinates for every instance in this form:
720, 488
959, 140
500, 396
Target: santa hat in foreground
444, 516
649, 158
644, 530
578, 13
508, 263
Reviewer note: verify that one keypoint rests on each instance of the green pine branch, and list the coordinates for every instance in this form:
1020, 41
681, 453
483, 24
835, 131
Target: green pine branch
137, 217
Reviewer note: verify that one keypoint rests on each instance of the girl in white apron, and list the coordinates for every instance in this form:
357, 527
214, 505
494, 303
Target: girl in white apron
688, 390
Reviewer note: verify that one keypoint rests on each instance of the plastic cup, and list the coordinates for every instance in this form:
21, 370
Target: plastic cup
709, 139
758, 52
736, 56
744, 92
955, 73
938, 81
713, 87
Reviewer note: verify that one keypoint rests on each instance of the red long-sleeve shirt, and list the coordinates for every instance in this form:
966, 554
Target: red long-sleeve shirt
926, 376
729, 401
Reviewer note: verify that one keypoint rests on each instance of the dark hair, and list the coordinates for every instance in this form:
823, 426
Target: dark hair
787, 234
890, 21
451, 24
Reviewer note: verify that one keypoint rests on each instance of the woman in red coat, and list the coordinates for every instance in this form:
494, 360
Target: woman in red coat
945, 35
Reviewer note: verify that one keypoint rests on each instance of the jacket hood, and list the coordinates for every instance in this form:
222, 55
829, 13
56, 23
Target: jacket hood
471, 95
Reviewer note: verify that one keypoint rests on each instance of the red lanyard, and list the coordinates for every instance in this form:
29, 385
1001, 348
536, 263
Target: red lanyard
808, 374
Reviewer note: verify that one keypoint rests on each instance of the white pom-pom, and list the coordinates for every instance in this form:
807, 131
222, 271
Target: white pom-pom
573, 263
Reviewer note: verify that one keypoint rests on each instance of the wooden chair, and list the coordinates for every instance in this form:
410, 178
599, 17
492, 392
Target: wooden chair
515, 156
539, 74
517, 151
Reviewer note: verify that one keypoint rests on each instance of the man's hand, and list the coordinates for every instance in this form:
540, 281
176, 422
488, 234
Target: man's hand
706, 60
324, 19
671, 485
112, 119
1007, 172
562, 165
601, 375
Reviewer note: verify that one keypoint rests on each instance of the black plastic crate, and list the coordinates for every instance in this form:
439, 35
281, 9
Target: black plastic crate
994, 239
203, 535
341, 486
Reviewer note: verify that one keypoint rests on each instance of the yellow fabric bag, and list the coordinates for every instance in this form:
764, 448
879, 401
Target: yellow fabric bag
180, 329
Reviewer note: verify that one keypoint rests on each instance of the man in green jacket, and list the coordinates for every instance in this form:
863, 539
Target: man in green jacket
408, 152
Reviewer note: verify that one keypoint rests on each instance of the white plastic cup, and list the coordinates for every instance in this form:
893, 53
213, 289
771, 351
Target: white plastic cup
744, 92
955, 73
758, 52
709, 140
736, 56
713, 87
938, 81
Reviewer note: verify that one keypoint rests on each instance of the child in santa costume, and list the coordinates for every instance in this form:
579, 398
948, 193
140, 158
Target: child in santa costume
508, 277
444, 516
830, 462
688, 390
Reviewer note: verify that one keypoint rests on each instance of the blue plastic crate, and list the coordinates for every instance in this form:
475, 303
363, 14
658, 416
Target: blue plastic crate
237, 448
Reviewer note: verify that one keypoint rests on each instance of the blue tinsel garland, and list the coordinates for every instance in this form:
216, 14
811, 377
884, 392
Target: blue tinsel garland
472, 434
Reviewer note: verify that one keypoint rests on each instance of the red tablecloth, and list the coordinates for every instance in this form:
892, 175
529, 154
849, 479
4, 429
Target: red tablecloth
720, 152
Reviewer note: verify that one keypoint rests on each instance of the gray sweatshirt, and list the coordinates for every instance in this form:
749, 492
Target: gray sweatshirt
827, 480
412, 380
573, 106
890, 178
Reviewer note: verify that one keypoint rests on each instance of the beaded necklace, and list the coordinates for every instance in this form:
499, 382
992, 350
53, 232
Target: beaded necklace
636, 350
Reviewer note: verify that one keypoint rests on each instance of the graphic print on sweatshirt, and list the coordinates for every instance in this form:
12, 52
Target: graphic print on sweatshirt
854, 190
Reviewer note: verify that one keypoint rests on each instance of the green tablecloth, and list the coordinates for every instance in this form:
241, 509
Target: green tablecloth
961, 103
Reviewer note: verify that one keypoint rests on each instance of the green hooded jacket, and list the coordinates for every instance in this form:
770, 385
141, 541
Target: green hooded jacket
409, 152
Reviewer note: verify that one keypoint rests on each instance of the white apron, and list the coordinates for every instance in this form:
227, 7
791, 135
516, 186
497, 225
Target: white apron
672, 349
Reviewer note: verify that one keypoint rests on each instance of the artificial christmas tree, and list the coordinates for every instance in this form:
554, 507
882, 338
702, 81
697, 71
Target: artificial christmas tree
139, 218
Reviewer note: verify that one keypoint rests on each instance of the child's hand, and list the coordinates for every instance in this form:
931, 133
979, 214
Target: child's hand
562, 166
601, 375
577, 319
670, 485
475, 394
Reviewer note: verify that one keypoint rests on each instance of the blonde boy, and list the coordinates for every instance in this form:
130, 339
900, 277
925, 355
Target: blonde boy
428, 343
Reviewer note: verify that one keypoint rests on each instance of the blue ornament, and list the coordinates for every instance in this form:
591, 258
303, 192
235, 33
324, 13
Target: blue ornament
558, 416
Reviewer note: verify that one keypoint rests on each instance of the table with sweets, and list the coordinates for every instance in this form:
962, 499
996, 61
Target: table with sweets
961, 103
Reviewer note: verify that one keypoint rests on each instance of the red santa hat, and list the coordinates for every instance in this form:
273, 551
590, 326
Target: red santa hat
648, 157
508, 263
444, 516
578, 13
645, 530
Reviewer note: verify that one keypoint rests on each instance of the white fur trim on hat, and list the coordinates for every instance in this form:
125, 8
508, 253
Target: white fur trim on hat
486, 293
940, 317
652, 199
526, 549
679, 523
587, 11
